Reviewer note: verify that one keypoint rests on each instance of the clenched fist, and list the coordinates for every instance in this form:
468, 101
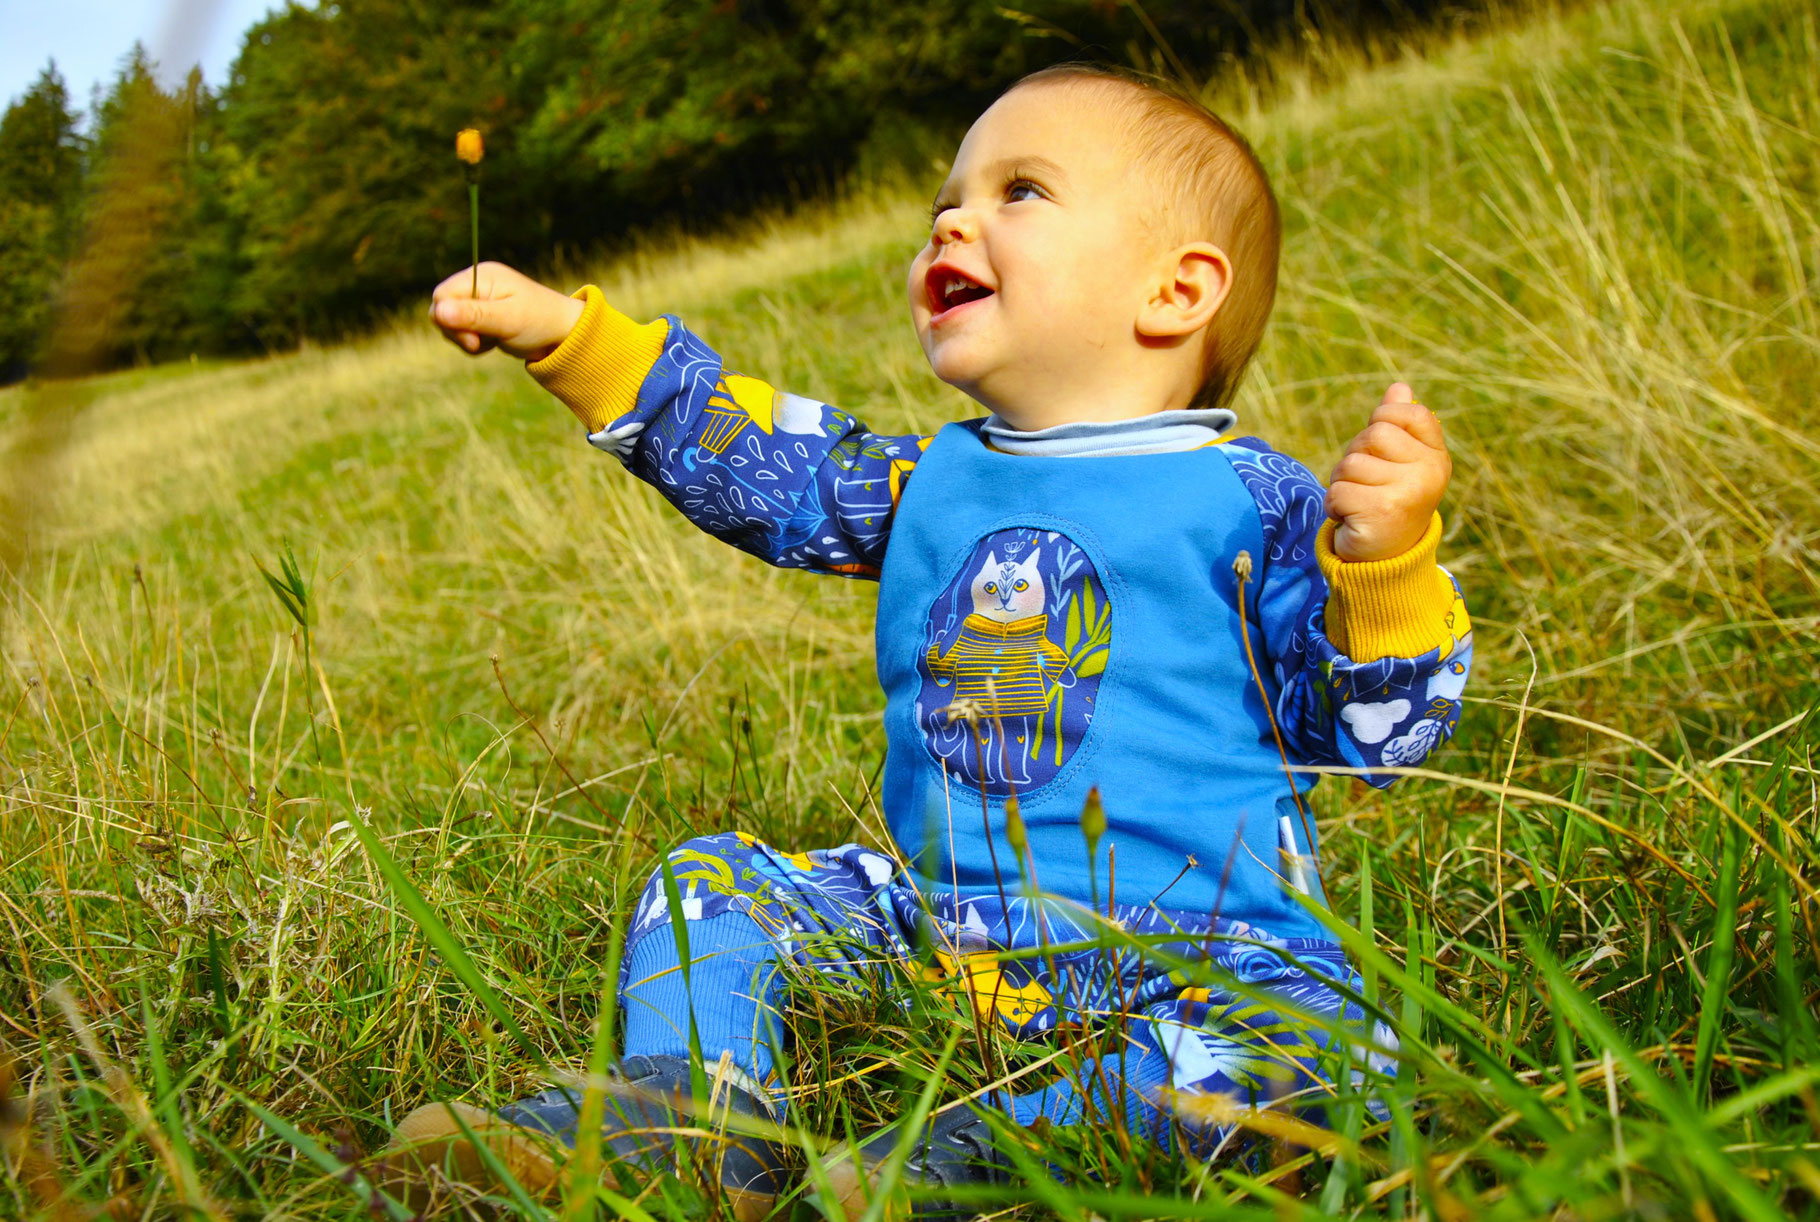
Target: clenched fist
1387, 485
509, 311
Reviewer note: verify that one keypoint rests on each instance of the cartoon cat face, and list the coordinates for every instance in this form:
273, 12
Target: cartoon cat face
1008, 590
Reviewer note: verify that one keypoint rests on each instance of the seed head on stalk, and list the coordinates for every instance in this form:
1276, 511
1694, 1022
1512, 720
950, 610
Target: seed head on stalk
470, 149
1093, 826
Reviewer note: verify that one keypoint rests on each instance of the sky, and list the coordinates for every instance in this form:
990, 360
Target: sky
88, 39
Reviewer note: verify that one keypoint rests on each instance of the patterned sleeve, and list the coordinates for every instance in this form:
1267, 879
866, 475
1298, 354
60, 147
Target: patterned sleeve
793, 481
1367, 660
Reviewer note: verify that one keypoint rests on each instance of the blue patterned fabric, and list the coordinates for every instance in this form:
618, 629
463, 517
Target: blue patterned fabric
1179, 746
1008, 701
1207, 1007
795, 482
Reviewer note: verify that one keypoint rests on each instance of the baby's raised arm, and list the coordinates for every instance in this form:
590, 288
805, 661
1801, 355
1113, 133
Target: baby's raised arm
791, 480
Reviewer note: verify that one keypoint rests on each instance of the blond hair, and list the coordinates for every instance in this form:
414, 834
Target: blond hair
1213, 188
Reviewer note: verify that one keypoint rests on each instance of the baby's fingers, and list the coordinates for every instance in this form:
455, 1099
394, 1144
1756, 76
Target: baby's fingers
1389, 439
487, 320
468, 341
491, 280
1411, 417
1359, 467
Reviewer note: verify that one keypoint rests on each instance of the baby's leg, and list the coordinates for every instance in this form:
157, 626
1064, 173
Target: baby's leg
1185, 1058
746, 909
1191, 1055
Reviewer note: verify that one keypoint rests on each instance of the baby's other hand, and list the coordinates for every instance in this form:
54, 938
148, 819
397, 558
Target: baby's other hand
1387, 485
507, 310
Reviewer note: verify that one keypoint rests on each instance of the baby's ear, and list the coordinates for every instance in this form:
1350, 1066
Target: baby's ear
1190, 287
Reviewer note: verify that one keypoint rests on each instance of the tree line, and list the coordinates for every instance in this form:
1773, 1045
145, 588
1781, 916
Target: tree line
316, 188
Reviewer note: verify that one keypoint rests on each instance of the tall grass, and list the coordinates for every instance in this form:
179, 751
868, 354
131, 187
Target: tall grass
254, 909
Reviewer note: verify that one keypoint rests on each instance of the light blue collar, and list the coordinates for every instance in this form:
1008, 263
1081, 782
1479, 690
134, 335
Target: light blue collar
1158, 433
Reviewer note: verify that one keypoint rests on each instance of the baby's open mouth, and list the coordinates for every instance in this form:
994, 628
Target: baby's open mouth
949, 288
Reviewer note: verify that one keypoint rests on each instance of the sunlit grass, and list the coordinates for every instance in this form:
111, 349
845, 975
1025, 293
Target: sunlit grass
1591, 243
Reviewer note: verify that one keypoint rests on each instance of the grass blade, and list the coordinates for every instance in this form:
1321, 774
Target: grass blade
447, 945
372, 1197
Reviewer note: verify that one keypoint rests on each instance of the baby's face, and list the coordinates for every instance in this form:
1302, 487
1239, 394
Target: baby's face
1039, 259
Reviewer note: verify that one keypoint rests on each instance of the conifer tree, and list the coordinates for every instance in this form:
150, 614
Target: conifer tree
111, 308
42, 155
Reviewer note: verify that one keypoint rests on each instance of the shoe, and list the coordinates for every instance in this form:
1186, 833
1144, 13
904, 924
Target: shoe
956, 1149
646, 1093
429, 1149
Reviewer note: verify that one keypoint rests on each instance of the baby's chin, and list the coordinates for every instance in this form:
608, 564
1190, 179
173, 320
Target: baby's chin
952, 363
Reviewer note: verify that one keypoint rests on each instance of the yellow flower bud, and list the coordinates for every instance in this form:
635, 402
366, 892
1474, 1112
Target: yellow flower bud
1014, 829
468, 146
1093, 818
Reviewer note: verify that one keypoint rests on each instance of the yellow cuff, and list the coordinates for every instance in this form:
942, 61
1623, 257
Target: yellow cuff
1401, 607
599, 366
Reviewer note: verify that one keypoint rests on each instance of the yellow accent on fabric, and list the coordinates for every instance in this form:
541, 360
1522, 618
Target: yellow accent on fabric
1396, 608
1016, 1004
900, 468
597, 369
757, 399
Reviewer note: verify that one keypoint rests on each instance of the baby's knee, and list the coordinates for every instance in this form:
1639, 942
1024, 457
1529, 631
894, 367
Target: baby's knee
697, 854
709, 873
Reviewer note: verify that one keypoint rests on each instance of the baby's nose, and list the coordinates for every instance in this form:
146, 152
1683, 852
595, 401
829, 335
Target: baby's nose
954, 225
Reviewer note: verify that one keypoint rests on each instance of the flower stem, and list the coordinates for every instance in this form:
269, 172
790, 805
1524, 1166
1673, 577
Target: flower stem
474, 230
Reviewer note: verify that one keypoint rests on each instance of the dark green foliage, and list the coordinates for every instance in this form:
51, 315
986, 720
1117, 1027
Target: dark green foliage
340, 124
38, 140
42, 156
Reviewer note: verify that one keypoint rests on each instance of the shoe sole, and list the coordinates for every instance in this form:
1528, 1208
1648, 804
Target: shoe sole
853, 1188
429, 1143
430, 1147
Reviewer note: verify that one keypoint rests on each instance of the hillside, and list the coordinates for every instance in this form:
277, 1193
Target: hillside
1591, 243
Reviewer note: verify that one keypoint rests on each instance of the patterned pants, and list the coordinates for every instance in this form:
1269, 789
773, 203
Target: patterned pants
1208, 1008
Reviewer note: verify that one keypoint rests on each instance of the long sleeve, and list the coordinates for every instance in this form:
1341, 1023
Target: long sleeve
794, 482
1367, 661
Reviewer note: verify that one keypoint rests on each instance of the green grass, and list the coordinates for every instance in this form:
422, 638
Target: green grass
250, 913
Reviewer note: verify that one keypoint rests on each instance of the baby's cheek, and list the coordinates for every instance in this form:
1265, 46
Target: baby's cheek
913, 280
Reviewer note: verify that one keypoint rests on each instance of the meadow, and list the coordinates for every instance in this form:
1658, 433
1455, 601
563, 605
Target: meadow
290, 846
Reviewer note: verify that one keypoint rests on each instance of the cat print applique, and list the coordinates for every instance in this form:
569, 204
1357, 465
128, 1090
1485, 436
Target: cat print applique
1014, 650
1003, 660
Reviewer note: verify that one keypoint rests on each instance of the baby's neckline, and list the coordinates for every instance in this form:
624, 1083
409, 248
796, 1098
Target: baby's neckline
1185, 428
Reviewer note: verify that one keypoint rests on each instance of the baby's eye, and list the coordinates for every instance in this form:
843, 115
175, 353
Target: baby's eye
1021, 586
1021, 189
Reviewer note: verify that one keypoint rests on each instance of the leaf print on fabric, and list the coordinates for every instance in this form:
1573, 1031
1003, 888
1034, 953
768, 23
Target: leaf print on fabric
793, 481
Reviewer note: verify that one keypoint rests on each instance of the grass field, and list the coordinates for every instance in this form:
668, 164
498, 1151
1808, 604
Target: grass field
1591, 242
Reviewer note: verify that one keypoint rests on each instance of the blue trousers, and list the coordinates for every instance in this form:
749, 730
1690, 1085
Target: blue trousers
1210, 1009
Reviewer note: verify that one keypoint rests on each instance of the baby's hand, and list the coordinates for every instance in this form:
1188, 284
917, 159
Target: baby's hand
1389, 482
509, 311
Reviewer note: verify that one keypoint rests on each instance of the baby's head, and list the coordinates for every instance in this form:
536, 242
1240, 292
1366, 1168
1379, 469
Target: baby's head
1104, 247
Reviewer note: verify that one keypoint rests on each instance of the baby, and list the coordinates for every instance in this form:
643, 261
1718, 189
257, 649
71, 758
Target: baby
1095, 610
